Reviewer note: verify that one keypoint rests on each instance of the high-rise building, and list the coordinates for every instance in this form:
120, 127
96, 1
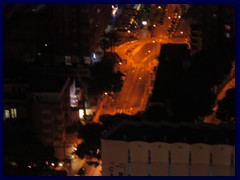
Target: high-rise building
215, 24
77, 30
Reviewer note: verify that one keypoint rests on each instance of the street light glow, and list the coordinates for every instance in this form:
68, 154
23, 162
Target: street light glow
60, 164
144, 22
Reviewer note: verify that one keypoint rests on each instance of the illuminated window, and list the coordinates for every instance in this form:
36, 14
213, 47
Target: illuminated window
13, 113
68, 60
6, 114
81, 114
228, 35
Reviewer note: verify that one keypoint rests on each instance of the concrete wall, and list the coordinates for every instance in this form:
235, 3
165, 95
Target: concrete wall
140, 158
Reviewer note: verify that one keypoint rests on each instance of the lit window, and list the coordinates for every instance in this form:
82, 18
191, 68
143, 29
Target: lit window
227, 27
6, 114
81, 113
68, 60
13, 113
227, 35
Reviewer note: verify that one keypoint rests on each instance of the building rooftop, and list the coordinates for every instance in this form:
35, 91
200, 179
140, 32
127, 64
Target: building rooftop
170, 67
172, 132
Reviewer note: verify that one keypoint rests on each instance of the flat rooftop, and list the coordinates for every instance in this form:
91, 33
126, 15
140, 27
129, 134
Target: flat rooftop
172, 132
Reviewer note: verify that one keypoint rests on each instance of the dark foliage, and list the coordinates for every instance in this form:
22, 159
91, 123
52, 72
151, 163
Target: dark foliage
226, 107
104, 78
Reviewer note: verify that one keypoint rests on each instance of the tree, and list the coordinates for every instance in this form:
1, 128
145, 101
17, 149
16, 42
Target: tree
192, 99
91, 133
113, 37
226, 107
104, 78
105, 43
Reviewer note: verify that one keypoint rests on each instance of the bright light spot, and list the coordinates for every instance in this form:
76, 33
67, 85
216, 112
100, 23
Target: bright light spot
179, 17
94, 55
29, 167
120, 63
52, 164
159, 7
60, 164
149, 51
140, 78
153, 41
227, 35
114, 10
129, 31
46, 162
144, 22
106, 93
98, 151
45, 45
74, 149
169, 17
154, 25
181, 32
131, 41
81, 113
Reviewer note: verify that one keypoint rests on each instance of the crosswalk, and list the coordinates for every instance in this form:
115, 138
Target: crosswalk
123, 111
139, 65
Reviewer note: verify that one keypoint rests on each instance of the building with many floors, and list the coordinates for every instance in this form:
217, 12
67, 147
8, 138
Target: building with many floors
212, 26
77, 29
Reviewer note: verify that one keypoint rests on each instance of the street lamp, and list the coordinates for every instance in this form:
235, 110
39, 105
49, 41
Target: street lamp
144, 23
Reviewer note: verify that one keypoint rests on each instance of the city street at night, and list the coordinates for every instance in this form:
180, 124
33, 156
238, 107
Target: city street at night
119, 89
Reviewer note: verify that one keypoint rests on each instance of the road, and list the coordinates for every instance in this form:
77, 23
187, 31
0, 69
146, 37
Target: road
78, 163
212, 117
141, 56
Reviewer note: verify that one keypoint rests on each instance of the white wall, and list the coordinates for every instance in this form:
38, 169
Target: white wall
159, 158
221, 155
180, 159
115, 155
200, 159
139, 158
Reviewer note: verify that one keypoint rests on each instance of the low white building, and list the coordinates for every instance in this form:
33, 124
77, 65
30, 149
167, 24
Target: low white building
144, 150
